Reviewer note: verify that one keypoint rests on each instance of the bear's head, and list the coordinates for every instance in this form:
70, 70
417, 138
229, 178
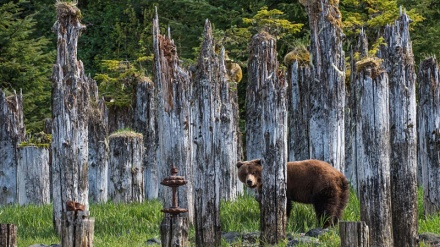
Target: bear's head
249, 173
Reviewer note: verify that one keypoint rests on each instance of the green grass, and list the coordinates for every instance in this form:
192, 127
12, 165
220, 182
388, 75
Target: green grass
133, 224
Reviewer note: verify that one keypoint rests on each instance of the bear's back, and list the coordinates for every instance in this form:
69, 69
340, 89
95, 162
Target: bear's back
308, 177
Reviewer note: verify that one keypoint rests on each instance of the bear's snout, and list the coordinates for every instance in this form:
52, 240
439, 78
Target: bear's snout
251, 181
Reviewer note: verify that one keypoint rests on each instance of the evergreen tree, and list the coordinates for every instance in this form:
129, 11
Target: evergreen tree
372, 16
24, 64
425, 35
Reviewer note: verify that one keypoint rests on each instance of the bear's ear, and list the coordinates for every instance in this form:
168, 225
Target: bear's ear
239, 164
257, 162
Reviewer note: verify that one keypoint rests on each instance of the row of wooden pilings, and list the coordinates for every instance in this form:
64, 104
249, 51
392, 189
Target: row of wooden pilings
78, 228
125, 181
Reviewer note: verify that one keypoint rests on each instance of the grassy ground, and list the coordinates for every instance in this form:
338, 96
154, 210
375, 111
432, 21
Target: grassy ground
132, 225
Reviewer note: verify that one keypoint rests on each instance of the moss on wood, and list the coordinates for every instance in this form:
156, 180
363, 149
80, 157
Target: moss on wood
125, 133
40, 140
374, 63
300, 54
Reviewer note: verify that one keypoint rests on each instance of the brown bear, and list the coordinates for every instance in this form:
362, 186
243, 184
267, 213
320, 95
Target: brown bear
309, 181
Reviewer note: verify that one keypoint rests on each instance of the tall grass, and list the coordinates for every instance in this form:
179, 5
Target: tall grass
133, 224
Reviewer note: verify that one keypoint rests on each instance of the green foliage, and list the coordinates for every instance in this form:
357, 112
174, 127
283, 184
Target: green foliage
24, 63
425, 34
126, 132
372, 16
271, 22
39, 139
236, 38
126, 225
249, 217
133, 224
121, 31
300, 54
118, 82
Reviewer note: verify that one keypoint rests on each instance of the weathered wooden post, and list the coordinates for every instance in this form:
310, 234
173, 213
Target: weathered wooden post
126, 174
70, 112
360, 52
174, 229
12, 132
33, 179
203, 127
327, 89
372, 140
47, 129
263, 68
254, 131
119, 117
8, 235
145, 122
227, 130
354, 234
299, 76
399, 63
429, 133
77, 226
98, 147
173, 91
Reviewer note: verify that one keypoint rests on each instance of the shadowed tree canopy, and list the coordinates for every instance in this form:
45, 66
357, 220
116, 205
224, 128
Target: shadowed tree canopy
25, 63
121, 31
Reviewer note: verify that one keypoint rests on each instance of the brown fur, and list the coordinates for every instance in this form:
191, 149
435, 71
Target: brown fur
309, 181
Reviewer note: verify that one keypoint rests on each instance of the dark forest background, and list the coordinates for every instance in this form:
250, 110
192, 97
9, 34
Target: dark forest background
116, 47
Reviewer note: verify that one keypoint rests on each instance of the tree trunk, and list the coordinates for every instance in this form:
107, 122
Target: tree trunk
205, 146
429, 134
298, 110
145, 122
70, 111
173, 91
354, 234
33, 180
373, 153
98, 147
399, 62
12, 132
263, 67
126, 180
327, 89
